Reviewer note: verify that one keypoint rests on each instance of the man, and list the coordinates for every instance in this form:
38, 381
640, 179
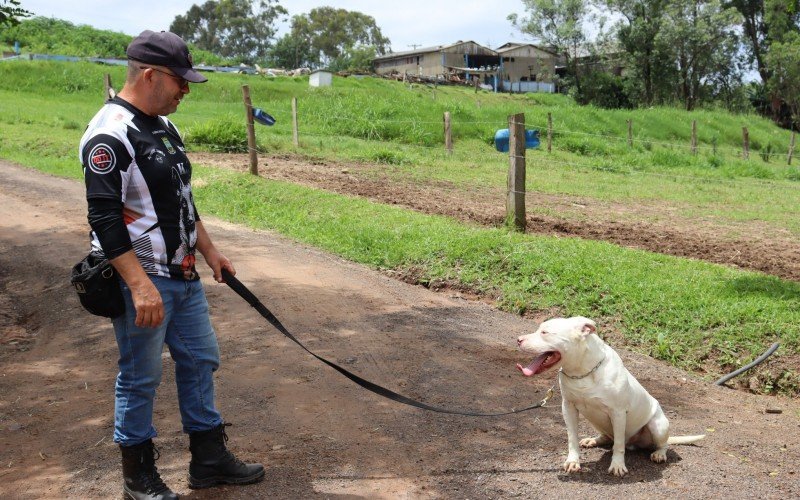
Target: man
144, 220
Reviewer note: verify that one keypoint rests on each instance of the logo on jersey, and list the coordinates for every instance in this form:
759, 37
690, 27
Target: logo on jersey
156, 155
168, 145
102, 159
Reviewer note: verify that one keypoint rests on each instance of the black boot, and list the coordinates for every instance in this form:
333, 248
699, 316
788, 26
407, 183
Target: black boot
212, 463
142, 481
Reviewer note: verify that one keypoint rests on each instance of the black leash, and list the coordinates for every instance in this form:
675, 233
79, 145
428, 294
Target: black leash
251, 299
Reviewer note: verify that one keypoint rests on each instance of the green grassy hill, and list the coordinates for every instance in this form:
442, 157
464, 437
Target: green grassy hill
696, 315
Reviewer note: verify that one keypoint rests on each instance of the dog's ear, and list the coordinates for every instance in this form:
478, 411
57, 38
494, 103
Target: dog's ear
589, 327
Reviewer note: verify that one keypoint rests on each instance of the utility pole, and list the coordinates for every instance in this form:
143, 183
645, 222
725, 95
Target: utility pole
414, 45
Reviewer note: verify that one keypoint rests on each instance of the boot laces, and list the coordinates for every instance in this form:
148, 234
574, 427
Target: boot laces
151, 479
229, 456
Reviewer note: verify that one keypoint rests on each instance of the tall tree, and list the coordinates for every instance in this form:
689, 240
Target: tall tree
784, 63
702, 34
765, 21
11, 12
231, 28
558, 24
332, 33
639, 33
292, 52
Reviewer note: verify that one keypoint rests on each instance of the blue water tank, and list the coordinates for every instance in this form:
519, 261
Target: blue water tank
501, 139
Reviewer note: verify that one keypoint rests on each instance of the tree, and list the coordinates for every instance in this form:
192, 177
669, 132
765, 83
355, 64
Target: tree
355, 59
558, 24
231, 28
331, 33
702, 35
784, 62
11, 12
292, 52
764, 23
650, 69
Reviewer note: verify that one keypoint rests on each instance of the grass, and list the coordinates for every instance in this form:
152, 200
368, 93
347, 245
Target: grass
695, 315
683, 311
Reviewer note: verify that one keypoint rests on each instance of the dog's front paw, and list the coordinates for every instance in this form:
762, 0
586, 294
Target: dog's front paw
618, 468
588, 442
572, 466
659, 456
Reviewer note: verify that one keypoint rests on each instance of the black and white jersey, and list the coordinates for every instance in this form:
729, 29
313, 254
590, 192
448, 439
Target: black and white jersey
138, 190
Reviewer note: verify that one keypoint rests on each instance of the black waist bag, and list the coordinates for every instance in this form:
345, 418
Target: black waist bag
97, 284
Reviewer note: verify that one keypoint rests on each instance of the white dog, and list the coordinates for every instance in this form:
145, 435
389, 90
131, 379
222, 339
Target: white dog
595, 383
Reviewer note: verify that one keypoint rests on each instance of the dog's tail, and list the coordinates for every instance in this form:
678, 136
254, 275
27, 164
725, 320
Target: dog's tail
685, 439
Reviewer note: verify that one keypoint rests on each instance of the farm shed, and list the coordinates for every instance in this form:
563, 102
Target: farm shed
502, 69
455, 58
527, 68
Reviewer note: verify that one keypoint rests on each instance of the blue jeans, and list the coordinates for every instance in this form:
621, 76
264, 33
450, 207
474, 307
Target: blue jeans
192, 343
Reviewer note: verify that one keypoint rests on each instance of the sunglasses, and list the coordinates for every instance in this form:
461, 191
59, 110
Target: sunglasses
182, 82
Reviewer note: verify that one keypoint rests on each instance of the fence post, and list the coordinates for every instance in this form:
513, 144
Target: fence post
515, 204
745, 143
694, 137
549, 132
109, 89
295, 133
630, 133
448, 137
791, 148
251, 132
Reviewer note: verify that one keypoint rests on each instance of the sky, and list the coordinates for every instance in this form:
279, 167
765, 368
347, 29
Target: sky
423, 23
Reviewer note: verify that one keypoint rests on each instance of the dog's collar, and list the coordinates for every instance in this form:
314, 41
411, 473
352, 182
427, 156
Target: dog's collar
561, 370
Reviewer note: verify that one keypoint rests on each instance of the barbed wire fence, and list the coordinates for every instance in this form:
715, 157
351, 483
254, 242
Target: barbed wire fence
517, 158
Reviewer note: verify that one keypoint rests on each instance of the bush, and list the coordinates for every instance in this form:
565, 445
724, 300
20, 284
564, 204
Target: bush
219, 135
602, 90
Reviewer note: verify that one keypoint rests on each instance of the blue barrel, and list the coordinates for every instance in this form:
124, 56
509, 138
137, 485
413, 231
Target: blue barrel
501, 139
263, 117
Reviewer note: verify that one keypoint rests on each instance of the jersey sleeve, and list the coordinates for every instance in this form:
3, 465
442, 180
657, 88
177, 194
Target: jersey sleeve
106, 163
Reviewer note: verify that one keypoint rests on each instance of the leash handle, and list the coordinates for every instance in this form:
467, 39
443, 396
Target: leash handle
251, 299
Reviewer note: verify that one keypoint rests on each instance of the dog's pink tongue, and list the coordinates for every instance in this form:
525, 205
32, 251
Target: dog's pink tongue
533, 366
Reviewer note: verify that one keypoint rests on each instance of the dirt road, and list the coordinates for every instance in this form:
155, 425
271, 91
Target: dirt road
318, 434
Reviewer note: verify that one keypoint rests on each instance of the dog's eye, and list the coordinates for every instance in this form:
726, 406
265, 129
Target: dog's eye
544, 332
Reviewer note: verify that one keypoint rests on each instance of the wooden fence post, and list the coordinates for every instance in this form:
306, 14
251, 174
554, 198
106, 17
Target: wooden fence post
295, 133
251, 131
549, 132
630, 133
791, 148
109, 89
515, 204
694, 137
448, 137
745, 143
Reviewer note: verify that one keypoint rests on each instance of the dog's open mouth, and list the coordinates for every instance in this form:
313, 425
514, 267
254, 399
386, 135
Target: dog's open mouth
540, 364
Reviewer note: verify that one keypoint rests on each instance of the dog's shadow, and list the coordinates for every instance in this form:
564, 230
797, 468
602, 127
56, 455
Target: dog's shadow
640, 468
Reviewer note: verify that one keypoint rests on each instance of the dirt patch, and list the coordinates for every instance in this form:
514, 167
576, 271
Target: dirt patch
319, 435
648, 226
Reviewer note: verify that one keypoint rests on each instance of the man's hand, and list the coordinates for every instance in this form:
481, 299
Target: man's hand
148, 304
215, 260
146, 298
